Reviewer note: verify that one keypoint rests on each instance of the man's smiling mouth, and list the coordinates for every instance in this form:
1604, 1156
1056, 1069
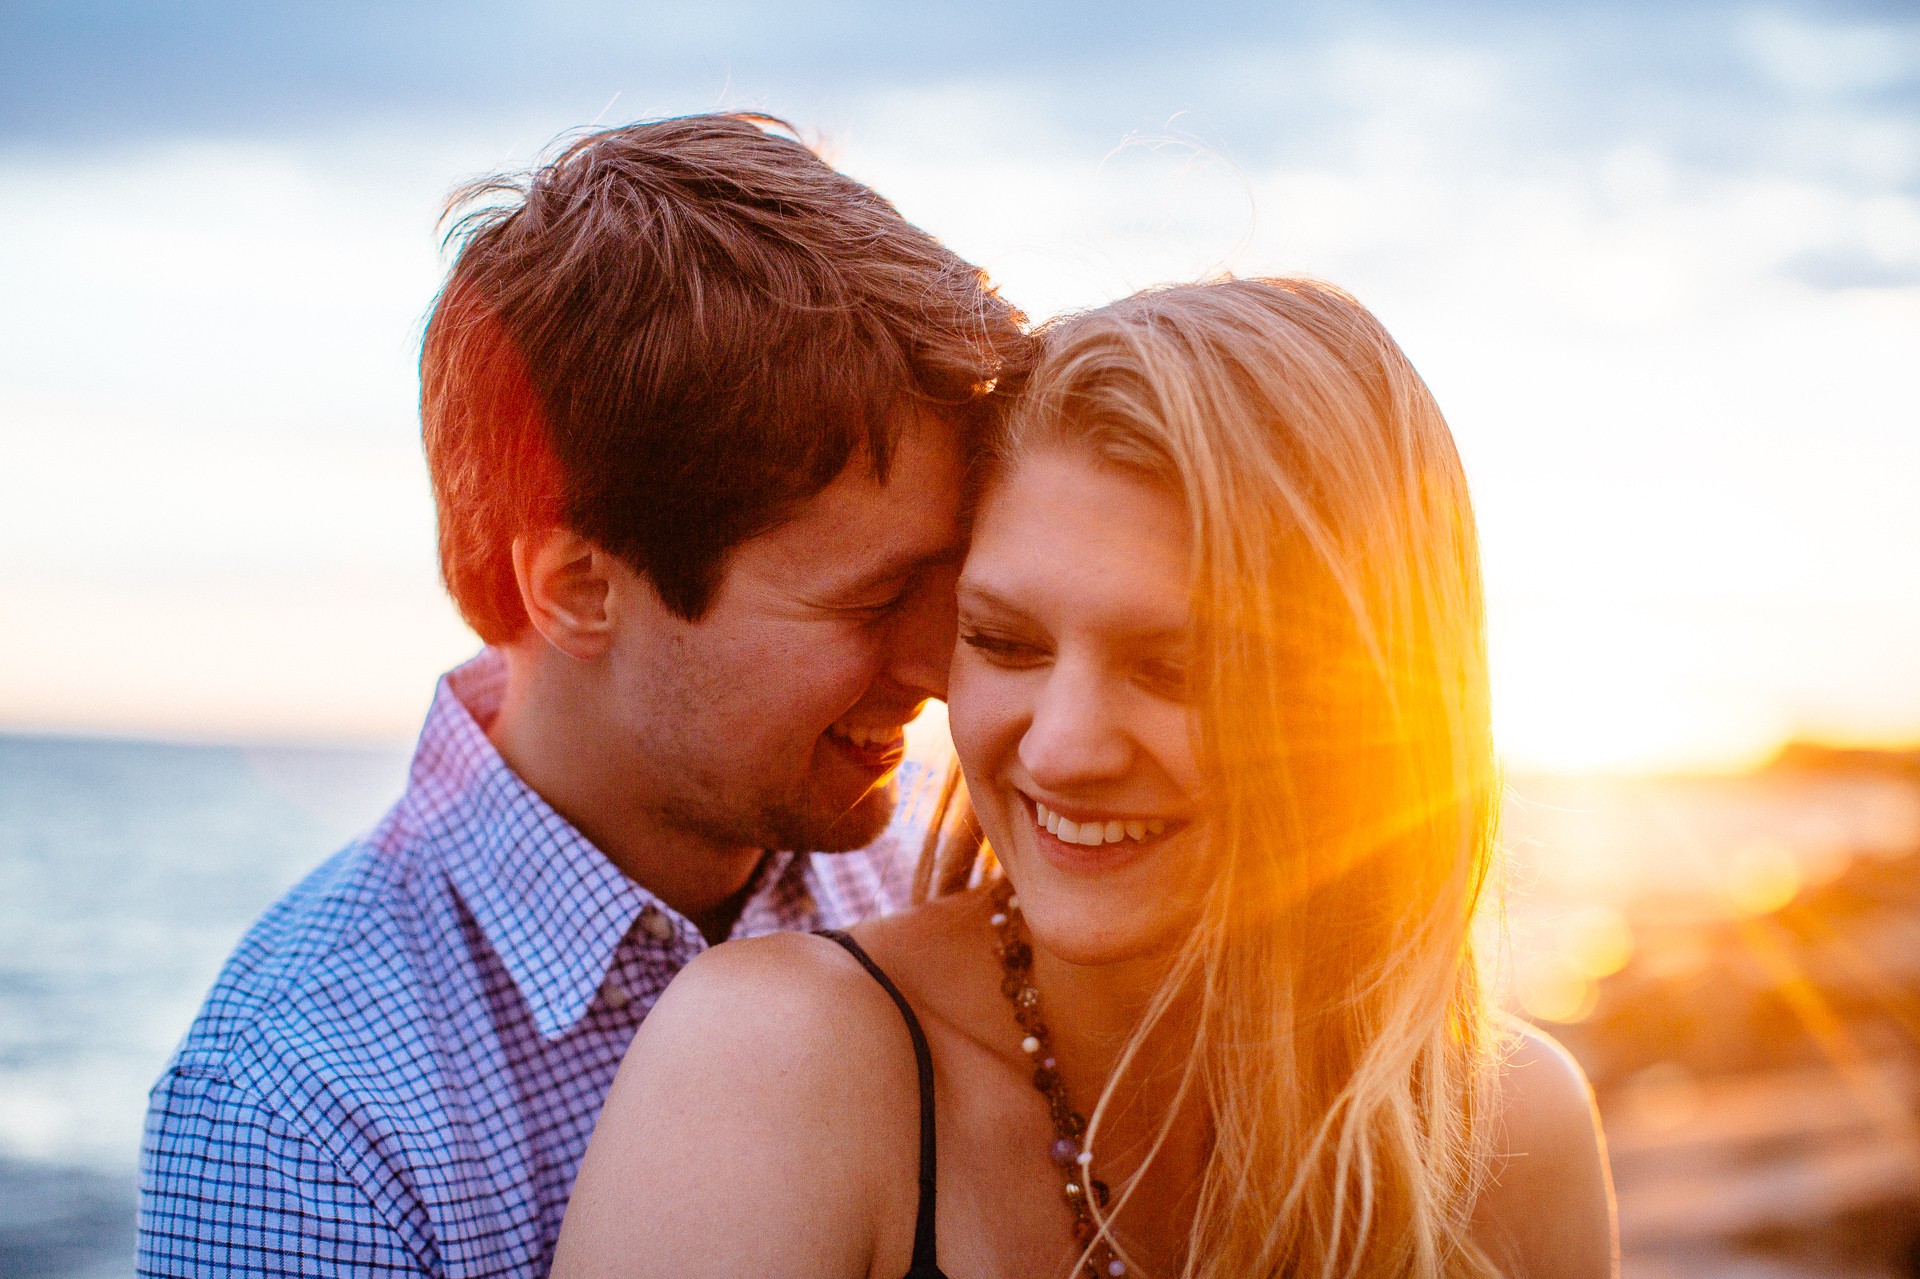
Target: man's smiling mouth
876, 747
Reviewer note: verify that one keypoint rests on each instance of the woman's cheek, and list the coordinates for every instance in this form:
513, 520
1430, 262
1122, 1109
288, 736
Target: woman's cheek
1178, 738
985, 718
972, 710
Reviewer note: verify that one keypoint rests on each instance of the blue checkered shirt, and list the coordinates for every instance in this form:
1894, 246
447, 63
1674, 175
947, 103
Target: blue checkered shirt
400, 1066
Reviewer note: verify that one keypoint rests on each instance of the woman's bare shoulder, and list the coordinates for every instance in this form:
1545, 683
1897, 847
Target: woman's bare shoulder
760, 1119
788, 981
1547, 1209
779, 1018
1546, 1105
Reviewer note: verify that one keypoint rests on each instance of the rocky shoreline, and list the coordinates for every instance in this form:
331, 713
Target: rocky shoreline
1758, 1067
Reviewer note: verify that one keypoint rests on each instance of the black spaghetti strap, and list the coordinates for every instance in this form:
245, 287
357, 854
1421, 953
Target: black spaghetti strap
925, 1261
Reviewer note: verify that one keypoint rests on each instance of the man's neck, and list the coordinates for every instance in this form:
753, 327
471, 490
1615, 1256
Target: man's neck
551, 744
716, 925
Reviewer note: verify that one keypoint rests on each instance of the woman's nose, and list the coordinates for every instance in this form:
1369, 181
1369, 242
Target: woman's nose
1075, 737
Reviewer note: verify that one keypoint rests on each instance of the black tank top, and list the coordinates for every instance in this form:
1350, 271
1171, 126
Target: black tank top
924, 1264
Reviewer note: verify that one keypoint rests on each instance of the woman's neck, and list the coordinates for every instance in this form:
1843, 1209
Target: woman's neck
1093, 1012
1094, 1009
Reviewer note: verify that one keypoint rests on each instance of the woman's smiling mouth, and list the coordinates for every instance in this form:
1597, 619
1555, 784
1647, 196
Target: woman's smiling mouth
1094, 830
1094, 841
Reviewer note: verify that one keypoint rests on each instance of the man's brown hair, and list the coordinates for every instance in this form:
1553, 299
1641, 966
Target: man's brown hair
669, 337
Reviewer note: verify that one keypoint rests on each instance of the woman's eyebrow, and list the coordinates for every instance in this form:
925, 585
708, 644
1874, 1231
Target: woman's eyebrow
983, 596
1146, 635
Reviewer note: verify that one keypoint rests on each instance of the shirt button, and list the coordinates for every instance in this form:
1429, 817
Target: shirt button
655, 921
612, 993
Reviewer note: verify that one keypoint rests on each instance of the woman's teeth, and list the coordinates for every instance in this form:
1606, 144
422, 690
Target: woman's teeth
1072, 832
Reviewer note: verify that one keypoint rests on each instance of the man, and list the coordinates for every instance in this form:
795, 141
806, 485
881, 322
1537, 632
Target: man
697, 409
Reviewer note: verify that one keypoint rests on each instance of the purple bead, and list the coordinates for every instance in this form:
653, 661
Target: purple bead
1064, 1149
1050, 1064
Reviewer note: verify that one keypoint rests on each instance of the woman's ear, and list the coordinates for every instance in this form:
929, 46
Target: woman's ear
565, 589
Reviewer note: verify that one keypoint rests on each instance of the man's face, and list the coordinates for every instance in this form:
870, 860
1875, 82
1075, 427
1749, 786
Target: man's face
776, 719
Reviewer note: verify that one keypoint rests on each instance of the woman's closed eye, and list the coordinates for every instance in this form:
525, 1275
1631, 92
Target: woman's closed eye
1002, 649
1166, 679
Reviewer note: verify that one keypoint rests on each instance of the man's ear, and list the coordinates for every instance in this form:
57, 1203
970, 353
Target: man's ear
565, 589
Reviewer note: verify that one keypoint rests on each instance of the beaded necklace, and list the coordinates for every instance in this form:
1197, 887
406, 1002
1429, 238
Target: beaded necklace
1069, 1125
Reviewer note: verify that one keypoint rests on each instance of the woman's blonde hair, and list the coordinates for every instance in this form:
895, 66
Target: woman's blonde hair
1343, 1049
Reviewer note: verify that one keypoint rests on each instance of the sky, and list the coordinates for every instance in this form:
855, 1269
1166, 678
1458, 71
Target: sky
1659, 263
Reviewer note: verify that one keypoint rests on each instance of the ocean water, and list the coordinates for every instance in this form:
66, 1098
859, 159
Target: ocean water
128, 870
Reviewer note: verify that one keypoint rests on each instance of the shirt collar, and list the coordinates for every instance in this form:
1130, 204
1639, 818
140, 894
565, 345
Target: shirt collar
549, 903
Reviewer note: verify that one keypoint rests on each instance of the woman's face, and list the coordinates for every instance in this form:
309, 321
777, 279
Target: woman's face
1068, 704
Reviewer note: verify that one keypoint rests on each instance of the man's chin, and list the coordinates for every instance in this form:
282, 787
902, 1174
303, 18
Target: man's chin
840, 831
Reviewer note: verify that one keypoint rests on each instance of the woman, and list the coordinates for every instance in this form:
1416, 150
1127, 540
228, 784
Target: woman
1220, 698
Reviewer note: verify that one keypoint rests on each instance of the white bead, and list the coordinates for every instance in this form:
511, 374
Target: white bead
1084, 1158
1116, 1268
998, 920
1029, 1045
1013, 903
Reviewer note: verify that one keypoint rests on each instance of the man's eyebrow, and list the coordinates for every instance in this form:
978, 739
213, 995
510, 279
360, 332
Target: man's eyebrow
904, 566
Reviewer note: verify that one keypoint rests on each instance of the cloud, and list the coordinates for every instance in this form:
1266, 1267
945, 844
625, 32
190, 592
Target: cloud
1822, 59
1713, 82
1851, 268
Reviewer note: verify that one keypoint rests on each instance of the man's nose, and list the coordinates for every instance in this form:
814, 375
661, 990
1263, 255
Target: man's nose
1074, 738
920, 640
